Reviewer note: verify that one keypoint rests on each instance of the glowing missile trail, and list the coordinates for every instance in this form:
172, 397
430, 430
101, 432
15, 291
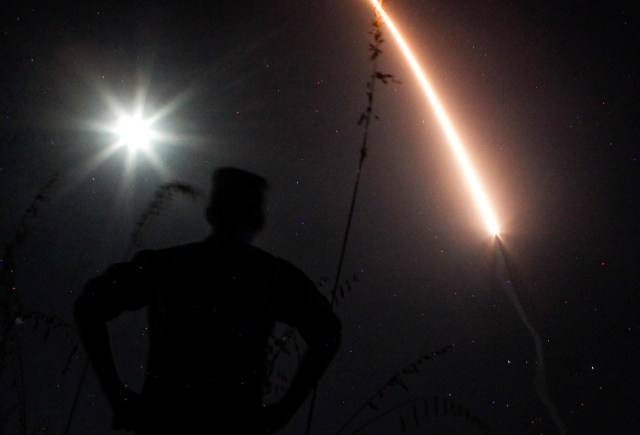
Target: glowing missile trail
472, 179
451, 134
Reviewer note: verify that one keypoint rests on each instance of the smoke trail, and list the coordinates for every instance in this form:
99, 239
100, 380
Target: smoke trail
505, 277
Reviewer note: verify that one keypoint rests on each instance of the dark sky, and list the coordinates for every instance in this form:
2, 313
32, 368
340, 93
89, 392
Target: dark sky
543, 93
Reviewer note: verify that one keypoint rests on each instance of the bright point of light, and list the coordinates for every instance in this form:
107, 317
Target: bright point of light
451, 134
134, 132
138, 132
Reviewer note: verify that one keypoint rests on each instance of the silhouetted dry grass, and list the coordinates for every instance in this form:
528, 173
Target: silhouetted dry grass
162, 195
411, 414
16, 321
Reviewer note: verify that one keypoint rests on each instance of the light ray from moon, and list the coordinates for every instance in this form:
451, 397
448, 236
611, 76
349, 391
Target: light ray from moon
452, 136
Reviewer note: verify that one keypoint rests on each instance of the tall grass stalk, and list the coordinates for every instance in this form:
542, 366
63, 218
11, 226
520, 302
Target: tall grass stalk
365, 120
12, 313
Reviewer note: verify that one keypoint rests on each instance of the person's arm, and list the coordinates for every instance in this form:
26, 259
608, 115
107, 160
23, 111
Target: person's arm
91, 320
301, 305
102, 299
323, 340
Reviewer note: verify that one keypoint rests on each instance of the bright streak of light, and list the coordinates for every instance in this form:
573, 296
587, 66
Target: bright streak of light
451, 134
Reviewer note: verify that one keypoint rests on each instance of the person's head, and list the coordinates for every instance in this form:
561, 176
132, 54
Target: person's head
236, 205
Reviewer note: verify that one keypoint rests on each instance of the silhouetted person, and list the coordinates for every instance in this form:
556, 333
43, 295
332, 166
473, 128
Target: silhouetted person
212, 307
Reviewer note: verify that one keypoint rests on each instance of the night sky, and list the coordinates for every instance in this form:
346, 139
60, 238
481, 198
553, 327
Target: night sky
544, 95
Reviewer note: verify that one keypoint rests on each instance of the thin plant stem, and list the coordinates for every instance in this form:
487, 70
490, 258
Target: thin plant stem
366, 117
76, 396
23, 397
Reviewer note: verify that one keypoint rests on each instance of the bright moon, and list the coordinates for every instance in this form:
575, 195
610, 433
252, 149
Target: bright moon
139, 131
134, 132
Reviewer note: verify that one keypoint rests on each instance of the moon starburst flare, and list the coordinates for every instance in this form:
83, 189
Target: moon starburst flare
140, 131
134, 132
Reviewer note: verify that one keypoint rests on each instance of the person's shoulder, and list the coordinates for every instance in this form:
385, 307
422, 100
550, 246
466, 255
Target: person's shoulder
284, 271
263, 257
169, 253
274, 260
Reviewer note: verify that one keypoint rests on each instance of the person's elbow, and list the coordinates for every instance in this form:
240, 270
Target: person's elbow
87, 309
322, 333
330, 342
83, 309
